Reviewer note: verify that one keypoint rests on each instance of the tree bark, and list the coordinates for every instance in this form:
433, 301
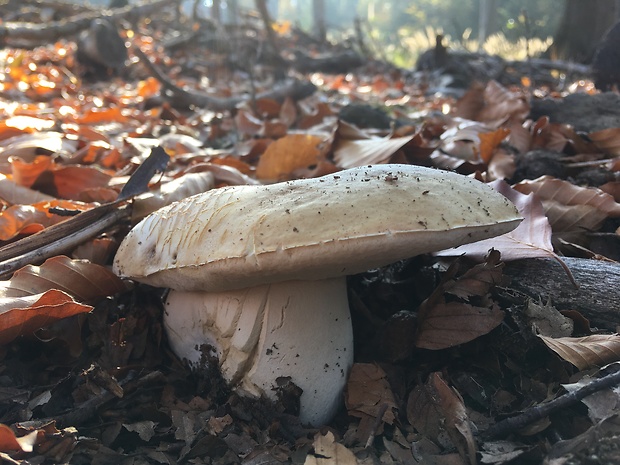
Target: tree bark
582, 26
597, 297
318, 15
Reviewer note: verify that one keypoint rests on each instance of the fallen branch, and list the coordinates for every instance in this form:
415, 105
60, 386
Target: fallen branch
294, 89
538, 412
60, 238
51, 31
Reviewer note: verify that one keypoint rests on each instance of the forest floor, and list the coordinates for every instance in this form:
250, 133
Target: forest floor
503, 356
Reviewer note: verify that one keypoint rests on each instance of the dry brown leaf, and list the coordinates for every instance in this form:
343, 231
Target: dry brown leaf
449, 324
607, 140
29, 219
478, 280
172, 191
69, 182
586, 352
247, 123
9, 442
489, 141
353, 153
267, 108
25, 173
502, 165
98, 251
14, 194
531, 239
612, 188
84, 280
25, 315
368, 390
288, 112
436, 407
570, 207
492, 104
462, 141
328, 452
290, 153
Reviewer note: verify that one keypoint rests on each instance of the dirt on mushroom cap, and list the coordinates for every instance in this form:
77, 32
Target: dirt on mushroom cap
342, 223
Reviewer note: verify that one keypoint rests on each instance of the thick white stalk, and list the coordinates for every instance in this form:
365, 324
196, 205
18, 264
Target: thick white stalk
296, 329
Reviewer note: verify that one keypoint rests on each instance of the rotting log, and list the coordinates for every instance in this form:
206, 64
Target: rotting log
597, 297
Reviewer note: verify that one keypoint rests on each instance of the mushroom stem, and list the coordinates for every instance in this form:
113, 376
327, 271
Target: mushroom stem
296, 329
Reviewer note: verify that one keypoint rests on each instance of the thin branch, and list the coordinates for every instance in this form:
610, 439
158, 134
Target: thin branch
538, 412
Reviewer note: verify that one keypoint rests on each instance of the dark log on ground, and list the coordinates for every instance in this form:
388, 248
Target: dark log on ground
336, 63
10, 33
598, 297
101, 47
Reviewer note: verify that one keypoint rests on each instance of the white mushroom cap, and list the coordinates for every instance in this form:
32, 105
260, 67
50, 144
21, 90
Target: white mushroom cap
339, 224
258, 272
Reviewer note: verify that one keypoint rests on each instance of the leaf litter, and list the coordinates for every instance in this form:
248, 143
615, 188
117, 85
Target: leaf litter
444, 351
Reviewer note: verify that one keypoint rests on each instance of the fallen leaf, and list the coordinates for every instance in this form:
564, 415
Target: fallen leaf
367, 391
447, 324
570, 207
84, 280
492, 104
29, 219
329, 452
586, 352
607, 140
435, 407
531, 239
25, 315
353, 153
290, 153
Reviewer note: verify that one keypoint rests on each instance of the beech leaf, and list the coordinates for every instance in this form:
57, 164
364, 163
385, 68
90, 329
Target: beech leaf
586, 352
449, 324
80, 278
288, 154
25, 315
360, 150
531, 239
569, 207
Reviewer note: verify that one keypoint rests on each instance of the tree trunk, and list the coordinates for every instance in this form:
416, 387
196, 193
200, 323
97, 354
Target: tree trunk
318, 15
216, 11
487, 9
582, 27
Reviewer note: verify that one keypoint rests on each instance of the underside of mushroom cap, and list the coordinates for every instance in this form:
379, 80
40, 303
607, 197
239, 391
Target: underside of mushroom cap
339, 224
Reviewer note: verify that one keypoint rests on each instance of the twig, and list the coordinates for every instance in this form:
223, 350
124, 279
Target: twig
375, 425
512, 424
61, 237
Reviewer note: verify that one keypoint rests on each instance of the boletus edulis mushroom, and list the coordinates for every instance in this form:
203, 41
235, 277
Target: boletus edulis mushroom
257, 273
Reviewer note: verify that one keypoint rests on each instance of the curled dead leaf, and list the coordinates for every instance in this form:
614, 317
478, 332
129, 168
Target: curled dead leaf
570, 207
586, 352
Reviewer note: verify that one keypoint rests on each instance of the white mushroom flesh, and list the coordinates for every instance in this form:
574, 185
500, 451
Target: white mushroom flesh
296, 329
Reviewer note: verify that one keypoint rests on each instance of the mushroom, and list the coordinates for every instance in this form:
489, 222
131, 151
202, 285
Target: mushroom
258, 272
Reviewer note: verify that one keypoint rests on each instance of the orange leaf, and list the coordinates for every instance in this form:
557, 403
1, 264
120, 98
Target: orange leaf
489, 141
290, 153
69, 182
14, 220
25, 315
25, 174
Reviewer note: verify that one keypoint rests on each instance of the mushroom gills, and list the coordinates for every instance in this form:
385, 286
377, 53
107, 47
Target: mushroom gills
296, 329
